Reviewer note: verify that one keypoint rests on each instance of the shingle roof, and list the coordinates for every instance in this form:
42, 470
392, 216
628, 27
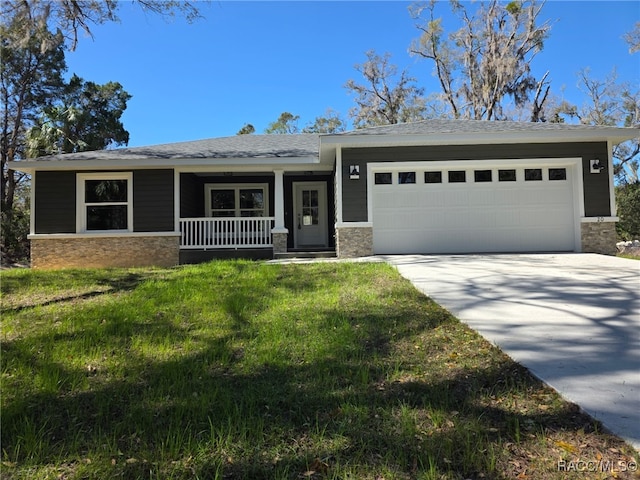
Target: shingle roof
307, 145
238, 146
460, 126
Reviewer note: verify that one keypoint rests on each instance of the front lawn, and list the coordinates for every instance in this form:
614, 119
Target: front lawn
234, 370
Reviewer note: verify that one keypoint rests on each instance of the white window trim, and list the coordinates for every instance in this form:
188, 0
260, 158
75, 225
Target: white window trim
81, 205
209, 187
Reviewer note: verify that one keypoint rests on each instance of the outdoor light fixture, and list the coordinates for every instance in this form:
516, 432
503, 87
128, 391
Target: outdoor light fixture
596, 166
354, 172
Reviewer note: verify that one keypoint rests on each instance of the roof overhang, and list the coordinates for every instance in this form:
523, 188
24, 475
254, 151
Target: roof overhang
185, 164
108, 160
609, 134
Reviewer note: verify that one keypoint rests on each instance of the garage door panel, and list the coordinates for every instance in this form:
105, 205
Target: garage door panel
482, 197
456, 197
432, 199
474, 217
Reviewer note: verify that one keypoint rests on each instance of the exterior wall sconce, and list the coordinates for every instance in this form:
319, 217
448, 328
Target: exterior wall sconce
354, 172
596, 166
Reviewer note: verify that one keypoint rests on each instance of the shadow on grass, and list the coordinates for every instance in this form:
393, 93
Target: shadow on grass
365, 406
46, 286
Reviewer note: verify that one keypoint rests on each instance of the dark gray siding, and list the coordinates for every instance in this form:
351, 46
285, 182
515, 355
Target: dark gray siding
354, 192
55, 203
596, 187
153, 201
191, 196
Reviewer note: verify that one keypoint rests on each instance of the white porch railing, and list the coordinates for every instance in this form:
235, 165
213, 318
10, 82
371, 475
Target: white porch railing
226, 232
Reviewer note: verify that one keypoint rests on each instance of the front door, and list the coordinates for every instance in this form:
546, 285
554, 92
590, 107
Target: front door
310, 215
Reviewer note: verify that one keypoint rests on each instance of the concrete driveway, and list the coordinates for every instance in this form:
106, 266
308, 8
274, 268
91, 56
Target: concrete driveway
572, 319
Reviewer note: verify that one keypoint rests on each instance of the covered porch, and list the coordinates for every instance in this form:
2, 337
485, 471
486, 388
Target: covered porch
254, 213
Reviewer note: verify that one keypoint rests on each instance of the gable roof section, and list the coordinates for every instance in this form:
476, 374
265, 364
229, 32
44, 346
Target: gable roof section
308, 149
443, 131
237, 150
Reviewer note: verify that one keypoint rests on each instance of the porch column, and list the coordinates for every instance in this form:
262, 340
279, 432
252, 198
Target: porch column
279, 232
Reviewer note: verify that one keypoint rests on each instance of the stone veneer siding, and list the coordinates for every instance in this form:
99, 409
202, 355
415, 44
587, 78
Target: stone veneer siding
279, 241
354, 242
598, 237
103, 251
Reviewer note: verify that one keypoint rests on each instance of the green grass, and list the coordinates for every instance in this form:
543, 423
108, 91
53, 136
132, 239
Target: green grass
250, 370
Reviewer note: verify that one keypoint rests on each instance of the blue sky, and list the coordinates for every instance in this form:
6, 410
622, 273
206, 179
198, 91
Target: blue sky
246, 62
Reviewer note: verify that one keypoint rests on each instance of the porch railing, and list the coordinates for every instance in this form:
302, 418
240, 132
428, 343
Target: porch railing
226, 232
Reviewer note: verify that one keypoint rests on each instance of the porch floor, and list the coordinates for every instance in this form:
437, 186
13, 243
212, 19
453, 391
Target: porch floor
324, 253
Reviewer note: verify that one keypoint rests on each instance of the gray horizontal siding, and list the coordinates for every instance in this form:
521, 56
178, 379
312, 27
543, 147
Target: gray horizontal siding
354, 192
55, 202
191, 196
153, 201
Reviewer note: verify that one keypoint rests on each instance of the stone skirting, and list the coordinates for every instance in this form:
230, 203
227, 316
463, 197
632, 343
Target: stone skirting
87, 251
279, 241
354, 241
598, 237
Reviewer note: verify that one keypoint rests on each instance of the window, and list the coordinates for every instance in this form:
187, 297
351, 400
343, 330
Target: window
532, 174
237, 200
482, 176
406, 177
105, 202
383, 178
507, 175
310, 207
457, 176
432, 177
557, 174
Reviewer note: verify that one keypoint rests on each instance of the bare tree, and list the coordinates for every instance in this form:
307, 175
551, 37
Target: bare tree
386, 97
485, 60
633, 38
72, 17
608, 103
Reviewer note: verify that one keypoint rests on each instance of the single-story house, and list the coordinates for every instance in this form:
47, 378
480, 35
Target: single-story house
435, 186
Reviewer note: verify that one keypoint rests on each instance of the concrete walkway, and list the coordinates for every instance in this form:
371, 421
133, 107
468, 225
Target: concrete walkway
572, 319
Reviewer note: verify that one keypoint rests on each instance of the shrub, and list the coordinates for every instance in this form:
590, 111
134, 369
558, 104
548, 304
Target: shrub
628, 203
14, 228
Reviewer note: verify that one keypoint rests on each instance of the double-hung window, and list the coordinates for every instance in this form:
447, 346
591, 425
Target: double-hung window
237, 200
104, 202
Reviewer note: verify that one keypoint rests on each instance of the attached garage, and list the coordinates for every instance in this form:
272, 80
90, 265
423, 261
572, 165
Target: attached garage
468, 186
464, 207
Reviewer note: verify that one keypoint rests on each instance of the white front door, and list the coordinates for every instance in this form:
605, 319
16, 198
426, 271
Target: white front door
310, 214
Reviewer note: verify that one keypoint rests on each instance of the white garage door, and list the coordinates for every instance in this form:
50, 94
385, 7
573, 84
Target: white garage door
457, 209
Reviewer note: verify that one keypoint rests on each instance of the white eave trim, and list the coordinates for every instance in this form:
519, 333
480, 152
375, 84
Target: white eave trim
599, 219
354, 225
228, 164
